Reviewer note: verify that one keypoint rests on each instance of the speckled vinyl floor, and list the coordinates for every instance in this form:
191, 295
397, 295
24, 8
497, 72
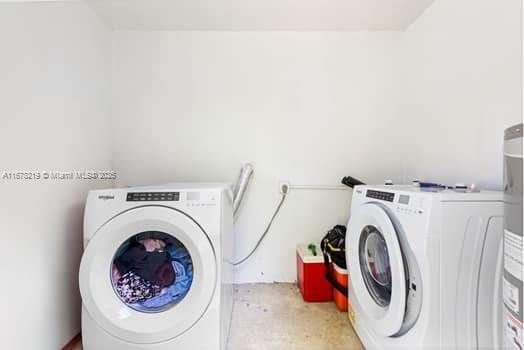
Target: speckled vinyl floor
274, 317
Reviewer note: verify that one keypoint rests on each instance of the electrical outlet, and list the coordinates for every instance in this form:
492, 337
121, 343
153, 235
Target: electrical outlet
284, 187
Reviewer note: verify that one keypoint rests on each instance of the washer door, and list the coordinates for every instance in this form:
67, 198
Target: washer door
376, 269
117, 312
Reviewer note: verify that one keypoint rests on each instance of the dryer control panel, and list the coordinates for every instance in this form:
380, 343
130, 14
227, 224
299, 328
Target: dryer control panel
385, 196
402, 203
409, 205
152, 196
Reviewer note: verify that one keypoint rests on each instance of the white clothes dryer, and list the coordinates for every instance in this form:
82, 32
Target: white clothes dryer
157, 268
425, 268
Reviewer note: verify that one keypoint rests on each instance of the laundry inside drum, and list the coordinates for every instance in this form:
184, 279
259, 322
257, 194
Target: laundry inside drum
151, 271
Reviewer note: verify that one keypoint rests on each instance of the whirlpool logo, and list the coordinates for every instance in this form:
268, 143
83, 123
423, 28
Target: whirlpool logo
105, 197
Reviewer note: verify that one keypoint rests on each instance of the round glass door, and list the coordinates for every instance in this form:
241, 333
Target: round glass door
375, 265
148, 275
151, 271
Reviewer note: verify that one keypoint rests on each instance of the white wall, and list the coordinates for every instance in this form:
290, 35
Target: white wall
464, 70
430, 103
303, 107
54, 69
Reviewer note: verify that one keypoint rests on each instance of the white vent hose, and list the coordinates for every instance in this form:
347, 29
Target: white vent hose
241, 185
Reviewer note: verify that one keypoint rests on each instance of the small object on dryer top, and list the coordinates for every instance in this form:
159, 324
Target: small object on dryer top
351, 181
431, 185
388, 183
461, 187
474, 188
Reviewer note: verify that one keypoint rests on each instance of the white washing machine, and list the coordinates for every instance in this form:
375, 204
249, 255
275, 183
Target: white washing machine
425, 268
156, 271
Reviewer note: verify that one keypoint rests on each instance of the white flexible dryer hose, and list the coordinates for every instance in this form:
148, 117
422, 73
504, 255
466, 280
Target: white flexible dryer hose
241, 185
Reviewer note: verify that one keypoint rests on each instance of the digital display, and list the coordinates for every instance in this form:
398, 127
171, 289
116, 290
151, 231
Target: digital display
403, 199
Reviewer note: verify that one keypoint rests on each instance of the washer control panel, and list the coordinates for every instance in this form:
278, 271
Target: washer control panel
406, 202
201, 199
409, 205
384, 196
402, 203
152, 196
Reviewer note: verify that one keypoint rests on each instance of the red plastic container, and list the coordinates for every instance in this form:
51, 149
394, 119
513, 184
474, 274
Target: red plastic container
310, 275
341, 276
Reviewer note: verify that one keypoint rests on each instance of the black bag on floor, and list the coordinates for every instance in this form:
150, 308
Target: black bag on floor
333, 247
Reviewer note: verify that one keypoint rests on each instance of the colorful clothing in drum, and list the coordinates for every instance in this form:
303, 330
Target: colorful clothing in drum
133, 289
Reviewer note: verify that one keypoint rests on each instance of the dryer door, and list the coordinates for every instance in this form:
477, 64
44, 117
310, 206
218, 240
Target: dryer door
376, 269
148, 274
